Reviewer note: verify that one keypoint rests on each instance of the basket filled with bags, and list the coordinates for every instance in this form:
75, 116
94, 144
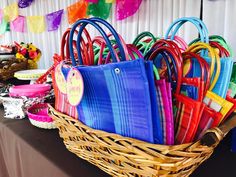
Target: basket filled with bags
157, 107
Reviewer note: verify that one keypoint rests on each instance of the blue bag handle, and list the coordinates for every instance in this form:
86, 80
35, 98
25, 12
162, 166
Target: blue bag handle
201, 27
83, 23
167, 64
164, 50
114, 33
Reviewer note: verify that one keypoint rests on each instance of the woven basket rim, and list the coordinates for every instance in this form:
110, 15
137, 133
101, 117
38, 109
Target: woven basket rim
120, 137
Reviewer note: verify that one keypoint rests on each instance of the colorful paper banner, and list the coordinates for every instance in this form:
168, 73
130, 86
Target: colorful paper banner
36, 24
10, 12
18, 25
101, 9
53, 20
126, 8
77, 11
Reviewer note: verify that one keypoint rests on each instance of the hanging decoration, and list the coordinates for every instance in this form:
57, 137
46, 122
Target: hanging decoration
10, 12
36, 24
126, 8
3, 26
1, 15
24, 3
53, 20
100, 9
8, 26
110, 1
93, 1
18, 25
77, 11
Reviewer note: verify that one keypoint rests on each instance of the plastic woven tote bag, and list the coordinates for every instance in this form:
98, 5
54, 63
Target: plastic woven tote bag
213, 100
188, 110
61, 101
164, 101
116, 95
226, 65
163, 85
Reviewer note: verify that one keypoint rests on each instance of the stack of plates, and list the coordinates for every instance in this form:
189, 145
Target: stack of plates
31, 74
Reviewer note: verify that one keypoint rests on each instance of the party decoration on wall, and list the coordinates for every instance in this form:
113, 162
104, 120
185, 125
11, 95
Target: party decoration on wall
8, 27
24, 3
10, 12
36, 24
18, 25
53, 20
100, 9
110, 1
3, 26
77, 11
1, 15
126, 8
93, 1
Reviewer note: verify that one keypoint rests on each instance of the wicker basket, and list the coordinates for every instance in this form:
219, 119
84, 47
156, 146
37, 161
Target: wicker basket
122, 156
38, 116
9, 66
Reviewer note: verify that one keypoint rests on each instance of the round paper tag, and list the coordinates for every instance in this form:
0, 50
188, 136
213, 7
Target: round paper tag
60, 79
75, 87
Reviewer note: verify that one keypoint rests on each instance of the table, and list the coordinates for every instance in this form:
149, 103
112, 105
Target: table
27, 151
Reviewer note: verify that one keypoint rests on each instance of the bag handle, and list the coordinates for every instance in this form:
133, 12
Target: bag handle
195, 21
217, 39
133, 53
197, 47
182, 44
205, 69
147, 43
164, 50
222, 51
143, 35
92, 21
127, 52
64, 44
164, 42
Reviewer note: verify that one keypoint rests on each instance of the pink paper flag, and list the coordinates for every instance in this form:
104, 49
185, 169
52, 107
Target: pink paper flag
93, 1
18, 24
54, 20
126, 8
1, 15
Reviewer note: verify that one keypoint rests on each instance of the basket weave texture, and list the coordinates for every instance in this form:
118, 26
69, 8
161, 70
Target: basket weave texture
9, 66
121, 156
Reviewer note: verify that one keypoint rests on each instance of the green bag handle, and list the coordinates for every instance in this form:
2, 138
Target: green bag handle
142, 35
218, 39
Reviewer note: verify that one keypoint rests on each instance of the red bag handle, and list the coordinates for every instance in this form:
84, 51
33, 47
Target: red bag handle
222, 51
205, 71
177, 61
169, 43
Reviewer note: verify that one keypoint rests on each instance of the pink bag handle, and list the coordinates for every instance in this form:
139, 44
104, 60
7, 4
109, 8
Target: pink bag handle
181, 43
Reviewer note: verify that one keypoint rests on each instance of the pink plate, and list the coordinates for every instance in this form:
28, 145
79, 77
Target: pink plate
29, 90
